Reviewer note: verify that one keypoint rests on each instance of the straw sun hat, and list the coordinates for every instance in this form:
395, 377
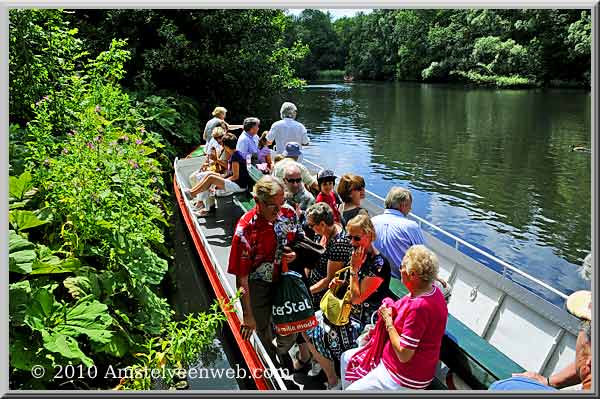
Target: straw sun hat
579, 304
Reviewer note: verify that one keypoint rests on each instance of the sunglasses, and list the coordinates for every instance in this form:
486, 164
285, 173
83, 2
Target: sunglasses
355, 238
293, 180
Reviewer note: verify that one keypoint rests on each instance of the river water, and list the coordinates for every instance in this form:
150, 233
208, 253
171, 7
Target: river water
493, 167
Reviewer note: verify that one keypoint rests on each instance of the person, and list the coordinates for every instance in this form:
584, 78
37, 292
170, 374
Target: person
213, 148
217, 119
295, 194
411, 331
577, 373
326, 181
351, 190
264, 152
235, 180
248, 140
369, 281
395, 232
287, 129
337, 249
291, 154
258, 248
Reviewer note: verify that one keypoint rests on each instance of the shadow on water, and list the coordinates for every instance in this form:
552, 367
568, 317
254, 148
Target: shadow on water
190, 292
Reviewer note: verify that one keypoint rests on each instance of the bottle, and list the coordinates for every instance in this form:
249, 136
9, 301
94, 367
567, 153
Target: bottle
248, 160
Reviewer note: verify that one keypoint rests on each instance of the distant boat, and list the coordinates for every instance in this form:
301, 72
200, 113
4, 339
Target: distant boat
348, 78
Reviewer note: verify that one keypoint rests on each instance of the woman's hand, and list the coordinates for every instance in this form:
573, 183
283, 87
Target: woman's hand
335, 282
386, 313
358, 258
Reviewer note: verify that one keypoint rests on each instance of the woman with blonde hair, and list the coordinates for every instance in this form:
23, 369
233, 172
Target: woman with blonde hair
369, 281
218, 117
404, 347
351, 190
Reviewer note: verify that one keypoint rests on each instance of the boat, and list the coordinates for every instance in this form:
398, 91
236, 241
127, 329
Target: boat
499, 322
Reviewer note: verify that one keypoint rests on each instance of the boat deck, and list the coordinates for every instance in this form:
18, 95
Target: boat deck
486, 311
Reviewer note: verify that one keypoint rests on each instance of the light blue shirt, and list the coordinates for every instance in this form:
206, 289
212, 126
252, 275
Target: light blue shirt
247, 144
395, 234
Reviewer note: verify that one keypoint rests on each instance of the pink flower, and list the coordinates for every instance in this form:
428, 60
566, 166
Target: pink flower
90, 146
98, 108
133, 164
65, 151
138, 141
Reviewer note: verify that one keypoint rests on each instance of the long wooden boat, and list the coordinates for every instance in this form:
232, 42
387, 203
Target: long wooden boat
498, 321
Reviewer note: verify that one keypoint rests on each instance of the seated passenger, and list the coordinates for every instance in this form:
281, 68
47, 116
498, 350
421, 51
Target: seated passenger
351, 190
213, 148
291, 154
264, 153
296, 195
409, 334
326, 180
236, 178
369, 283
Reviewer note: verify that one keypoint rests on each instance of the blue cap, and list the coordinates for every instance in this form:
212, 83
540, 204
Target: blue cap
519, 384
292, 149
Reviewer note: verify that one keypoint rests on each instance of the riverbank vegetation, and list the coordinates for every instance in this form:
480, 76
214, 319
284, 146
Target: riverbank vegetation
504, 48
96, 118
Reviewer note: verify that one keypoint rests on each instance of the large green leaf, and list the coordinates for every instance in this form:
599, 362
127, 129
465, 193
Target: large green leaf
83, 284
145, 266
23, 220
40, 309
18, 187
88, 317
67, 346
153, 313
53, 265
23, 353
19, 295
21, 253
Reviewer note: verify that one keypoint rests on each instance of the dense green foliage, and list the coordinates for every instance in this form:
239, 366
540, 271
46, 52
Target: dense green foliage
92, 137
218, 57
510, 47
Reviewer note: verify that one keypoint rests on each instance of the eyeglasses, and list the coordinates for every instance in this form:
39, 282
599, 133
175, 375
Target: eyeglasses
294, 181
355, 238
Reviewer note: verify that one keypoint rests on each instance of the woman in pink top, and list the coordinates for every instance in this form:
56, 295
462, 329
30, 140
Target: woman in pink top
414, 327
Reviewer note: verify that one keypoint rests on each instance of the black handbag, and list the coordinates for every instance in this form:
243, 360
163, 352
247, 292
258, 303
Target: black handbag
307, 252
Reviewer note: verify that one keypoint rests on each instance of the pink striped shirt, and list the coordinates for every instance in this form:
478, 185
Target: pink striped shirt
421, 322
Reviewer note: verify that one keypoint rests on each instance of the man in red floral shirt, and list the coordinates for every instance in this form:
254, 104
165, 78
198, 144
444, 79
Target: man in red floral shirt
258, 247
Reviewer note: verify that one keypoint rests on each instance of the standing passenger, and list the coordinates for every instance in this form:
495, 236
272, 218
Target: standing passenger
217, 119
257, 250
287, 129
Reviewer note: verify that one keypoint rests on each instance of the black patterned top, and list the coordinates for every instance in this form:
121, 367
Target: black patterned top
338, 249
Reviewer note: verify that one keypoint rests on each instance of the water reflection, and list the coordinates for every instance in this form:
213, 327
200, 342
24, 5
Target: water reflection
491, 166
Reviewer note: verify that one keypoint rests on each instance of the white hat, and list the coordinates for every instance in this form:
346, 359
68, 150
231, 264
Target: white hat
579, 304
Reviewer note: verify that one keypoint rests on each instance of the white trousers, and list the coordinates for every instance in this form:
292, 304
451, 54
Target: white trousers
378, 379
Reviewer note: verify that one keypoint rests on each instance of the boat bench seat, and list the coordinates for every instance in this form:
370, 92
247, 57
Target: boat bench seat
471, 357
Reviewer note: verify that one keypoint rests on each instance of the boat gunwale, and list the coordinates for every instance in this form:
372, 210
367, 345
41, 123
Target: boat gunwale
250, 354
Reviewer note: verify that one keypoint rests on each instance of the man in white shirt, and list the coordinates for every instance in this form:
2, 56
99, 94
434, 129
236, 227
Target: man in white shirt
287, 129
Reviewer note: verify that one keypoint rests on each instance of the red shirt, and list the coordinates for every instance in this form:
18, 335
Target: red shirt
253, 243
421, 323
330, 200
257, 241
